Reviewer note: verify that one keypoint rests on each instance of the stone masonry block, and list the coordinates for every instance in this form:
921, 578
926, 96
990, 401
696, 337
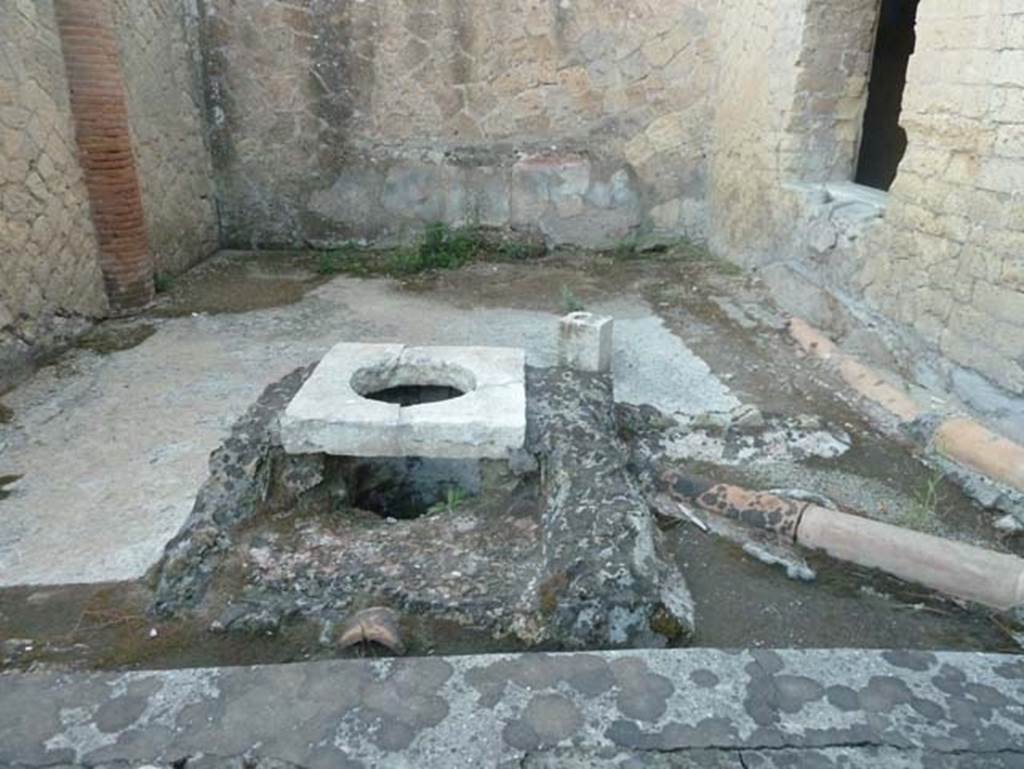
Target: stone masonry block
585, 342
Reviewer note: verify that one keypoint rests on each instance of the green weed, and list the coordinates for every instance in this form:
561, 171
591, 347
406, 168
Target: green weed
627, 249
518, 251
570, 302
454, 498
927, 499
441, 248
162, 283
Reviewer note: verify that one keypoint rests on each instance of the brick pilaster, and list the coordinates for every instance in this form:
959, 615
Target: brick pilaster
98, 104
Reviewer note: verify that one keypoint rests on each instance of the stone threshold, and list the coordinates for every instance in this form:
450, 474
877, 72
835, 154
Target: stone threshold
696, 707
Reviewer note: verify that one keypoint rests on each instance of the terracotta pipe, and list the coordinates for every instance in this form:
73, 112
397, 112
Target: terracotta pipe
965, 441
978, 448
957, 569
954, 568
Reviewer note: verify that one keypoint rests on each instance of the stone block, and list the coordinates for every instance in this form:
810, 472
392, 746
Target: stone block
416, 191
585, 342
332, 414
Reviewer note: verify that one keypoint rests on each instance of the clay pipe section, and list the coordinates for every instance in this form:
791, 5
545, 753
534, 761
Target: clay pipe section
972, 573
954, 568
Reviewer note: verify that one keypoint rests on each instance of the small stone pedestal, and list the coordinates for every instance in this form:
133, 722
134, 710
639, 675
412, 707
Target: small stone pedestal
585, 342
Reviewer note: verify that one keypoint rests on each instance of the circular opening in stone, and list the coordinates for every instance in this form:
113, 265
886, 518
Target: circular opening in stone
415, 395
413, 383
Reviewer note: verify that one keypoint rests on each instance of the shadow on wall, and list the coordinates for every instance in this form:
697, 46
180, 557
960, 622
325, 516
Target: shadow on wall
884, 140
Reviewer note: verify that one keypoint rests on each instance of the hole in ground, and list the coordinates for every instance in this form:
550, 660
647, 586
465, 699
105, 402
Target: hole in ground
409, 487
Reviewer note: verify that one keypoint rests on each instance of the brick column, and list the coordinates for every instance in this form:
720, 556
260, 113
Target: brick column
100, 113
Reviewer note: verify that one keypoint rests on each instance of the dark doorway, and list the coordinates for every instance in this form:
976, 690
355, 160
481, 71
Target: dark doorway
884, 141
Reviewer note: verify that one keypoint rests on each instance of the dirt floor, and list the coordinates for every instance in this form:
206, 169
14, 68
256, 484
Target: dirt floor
243, 320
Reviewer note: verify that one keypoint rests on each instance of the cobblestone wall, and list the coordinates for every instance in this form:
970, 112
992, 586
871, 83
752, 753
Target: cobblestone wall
336, 119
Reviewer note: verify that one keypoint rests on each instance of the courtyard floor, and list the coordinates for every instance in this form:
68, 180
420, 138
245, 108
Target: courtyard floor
108, 444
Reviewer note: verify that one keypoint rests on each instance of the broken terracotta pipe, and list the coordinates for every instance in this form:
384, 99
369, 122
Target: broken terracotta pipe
378, 625
965, 571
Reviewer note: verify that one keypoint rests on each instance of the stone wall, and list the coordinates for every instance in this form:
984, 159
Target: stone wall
50, 280
163, 78
953, 268
336, 120
934, 267
49, 273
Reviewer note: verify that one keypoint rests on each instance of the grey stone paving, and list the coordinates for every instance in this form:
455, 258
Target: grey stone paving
695, 708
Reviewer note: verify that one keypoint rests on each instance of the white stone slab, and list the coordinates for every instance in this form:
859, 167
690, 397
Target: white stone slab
330, 414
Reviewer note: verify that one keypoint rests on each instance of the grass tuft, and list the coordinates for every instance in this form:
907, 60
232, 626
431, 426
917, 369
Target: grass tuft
454, 498
439, 248
570, 302
923, 512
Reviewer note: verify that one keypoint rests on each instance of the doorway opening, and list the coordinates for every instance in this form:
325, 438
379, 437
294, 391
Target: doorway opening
884, 142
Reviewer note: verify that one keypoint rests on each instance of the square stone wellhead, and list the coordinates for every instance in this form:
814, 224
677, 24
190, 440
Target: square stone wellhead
352, 403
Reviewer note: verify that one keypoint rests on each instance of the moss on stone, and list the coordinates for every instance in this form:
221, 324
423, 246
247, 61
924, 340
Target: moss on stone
664, 624
549, 591
105, 340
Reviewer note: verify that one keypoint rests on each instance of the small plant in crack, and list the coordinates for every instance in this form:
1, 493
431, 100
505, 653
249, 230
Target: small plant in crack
348, 260
162, 283
923, 512
517, 251
440, 247
628, 248
571, 302
454, 498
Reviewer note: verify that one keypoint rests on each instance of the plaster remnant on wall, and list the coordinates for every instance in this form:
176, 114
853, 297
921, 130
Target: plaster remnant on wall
381, 104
